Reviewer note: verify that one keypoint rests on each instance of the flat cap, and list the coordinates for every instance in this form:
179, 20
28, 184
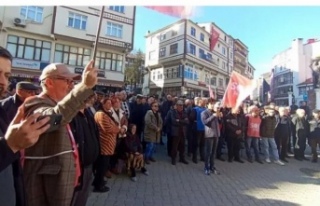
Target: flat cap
26, 86
99, 93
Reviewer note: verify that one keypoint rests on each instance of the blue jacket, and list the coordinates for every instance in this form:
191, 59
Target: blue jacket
200, 125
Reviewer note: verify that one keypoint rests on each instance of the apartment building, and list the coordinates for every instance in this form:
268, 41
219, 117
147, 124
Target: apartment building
291, 71
180, 62
241, 63
39, 35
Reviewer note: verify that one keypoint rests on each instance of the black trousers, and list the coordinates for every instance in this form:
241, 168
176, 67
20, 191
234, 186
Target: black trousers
178, 145
169, 144
282, 145
101, 167
80, 195
314, 142
234, 146
220, 146
198, 143
300, 146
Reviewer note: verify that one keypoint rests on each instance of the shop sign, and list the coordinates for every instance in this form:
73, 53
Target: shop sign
79, 70
25, 64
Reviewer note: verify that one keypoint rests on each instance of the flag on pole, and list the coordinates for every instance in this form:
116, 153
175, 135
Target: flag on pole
211, 92
213, 38
238, 89
175, 11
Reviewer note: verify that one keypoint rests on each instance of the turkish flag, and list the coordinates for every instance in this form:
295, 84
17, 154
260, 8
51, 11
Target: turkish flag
213, 38
175, 11
239, 88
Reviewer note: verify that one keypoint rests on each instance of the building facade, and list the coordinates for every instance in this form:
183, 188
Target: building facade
291, 69
180, 62
241, 63
39, 35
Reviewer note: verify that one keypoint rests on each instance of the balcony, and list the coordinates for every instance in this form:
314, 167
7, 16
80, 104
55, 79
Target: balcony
240, 63
241, 51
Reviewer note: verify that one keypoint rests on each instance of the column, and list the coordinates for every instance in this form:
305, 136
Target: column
317, 98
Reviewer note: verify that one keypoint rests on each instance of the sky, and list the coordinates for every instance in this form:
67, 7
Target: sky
265, 30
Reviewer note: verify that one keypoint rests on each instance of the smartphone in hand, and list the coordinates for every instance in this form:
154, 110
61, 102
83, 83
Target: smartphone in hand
55, 122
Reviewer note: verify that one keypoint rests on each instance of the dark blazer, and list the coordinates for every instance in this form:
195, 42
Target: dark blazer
7, 157
11, 105
177, 125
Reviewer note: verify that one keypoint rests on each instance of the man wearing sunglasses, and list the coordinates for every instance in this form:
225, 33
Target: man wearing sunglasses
12, 103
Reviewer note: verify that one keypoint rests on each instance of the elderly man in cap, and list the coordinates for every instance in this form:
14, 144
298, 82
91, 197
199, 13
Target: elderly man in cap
12, 103
314, 134
51, 167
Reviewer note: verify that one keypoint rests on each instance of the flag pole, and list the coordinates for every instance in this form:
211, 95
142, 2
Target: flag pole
97, 36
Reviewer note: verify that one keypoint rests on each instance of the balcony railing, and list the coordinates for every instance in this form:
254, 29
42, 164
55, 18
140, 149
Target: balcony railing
240, 63
243, 52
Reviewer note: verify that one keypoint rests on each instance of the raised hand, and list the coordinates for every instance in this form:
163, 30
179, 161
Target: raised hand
22, 134
90, 75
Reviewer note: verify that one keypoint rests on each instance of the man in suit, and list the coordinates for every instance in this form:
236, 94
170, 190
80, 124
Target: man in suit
14, 136
12, 103
51, 167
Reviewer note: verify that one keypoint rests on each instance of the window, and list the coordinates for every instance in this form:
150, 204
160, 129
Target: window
201, 54
195, 76
174, 33
114, 30
202, 37
159, 75
162, 52
26, 48
231, 55
214, 81
209, 56
152, 55
109, 61
223, 65
192, 49
174, 48
77, 21
220, 82
117, 8
153, 75
71, 55
223, 51
32, 13
162, 37
193, 31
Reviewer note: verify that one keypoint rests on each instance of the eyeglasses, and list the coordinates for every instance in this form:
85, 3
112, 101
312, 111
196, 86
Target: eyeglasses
69, 81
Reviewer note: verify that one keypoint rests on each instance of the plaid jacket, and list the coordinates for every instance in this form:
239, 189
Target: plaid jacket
51, 181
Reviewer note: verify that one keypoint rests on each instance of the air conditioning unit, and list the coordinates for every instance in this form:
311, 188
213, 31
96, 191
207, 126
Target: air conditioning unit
19, 22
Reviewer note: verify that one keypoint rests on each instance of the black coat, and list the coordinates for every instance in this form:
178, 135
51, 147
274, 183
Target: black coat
10, 105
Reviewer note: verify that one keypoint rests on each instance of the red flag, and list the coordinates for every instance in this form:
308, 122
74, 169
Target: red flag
214, 38
211, 92
175, 11
239, 88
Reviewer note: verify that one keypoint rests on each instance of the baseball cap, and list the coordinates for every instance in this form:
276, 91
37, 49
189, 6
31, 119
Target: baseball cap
58, 70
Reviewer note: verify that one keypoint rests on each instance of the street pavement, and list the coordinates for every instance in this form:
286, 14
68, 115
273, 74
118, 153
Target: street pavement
296, 183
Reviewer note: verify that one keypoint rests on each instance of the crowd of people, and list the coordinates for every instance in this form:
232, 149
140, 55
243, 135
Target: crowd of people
104, 134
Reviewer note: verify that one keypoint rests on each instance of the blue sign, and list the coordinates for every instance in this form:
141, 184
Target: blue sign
305, 97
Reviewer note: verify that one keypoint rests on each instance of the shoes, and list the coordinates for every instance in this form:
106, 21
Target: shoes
304, 158
284, 160
152, 160
207, 172
134, 179
101, 189
230, 160
314, 161
173, 162
221, 159
194, 160
147, 161
250, 160
239, 160
184, 161
259, 161
214, 171
279, 162
268, 160
145, 171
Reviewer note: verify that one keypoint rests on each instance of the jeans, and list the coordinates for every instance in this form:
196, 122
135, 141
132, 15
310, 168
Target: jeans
210, 148
272, 143
254, 142
150, 147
